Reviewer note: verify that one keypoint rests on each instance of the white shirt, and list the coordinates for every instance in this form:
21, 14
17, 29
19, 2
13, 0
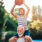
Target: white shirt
21, 39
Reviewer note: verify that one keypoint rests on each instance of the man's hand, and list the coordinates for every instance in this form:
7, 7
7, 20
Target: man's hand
13, 39
27, 39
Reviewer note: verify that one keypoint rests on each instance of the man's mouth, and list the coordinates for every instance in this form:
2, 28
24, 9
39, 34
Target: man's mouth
20, 35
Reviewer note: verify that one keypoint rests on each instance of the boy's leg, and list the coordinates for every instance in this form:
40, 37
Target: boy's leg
27, 33
27, 38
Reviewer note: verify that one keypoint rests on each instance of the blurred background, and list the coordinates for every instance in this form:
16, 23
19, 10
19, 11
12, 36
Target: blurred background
8, 23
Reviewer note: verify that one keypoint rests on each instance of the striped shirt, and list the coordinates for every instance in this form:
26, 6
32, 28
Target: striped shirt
22, 21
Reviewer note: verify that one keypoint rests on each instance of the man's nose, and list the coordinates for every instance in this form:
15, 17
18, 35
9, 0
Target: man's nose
20, 31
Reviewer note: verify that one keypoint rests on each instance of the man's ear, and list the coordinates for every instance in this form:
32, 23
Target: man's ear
24, 30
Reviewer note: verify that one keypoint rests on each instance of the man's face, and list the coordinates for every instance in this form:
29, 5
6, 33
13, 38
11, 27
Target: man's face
20, 31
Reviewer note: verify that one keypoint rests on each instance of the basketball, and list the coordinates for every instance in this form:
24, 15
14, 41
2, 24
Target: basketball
19, 2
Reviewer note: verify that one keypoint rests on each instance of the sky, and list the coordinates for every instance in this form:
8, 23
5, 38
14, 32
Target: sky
9, 3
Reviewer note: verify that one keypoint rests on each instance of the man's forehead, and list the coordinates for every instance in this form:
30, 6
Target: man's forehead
19, 28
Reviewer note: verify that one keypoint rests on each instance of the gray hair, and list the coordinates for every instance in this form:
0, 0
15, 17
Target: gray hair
21, 26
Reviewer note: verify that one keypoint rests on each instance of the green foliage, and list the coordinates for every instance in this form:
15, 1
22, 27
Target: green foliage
2, 12
11, 25
9, 35
1, 16
35, 29
6, 23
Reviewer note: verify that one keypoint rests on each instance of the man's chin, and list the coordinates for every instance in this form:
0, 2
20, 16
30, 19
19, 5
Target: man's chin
21, 35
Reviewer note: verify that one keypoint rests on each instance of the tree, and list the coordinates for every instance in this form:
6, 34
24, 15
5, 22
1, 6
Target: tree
2, 19
37, 13
6, 23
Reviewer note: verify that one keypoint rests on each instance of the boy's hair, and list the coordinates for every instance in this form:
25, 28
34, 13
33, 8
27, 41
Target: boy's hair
22, 9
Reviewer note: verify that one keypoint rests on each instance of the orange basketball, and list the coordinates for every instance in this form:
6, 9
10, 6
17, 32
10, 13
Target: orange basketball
19, 2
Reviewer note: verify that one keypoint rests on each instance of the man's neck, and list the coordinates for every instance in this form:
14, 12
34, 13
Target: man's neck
21, 36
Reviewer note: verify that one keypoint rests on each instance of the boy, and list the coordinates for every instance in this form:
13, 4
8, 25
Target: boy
22, 19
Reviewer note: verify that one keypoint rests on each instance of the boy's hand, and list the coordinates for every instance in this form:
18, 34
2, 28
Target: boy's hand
24, 3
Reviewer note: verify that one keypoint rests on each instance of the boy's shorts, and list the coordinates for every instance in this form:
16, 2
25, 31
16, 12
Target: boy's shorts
25, 34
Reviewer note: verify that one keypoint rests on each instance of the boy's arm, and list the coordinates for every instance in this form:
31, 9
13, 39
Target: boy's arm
12, 11
28, 9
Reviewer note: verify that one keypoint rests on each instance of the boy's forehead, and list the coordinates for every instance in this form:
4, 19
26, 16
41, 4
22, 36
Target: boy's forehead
21, 9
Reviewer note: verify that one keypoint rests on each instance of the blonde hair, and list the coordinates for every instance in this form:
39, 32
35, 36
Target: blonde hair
22, 9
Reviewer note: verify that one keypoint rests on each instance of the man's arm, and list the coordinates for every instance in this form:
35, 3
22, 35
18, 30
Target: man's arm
12, 11
28, 9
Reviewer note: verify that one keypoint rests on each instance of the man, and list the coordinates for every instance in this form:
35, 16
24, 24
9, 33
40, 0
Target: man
20, 31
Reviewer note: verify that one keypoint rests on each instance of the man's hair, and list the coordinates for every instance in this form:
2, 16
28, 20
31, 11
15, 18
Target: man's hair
21, 26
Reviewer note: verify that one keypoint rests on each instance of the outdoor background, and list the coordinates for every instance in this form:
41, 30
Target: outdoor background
8, 23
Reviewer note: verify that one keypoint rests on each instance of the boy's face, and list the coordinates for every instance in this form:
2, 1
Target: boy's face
21, 11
